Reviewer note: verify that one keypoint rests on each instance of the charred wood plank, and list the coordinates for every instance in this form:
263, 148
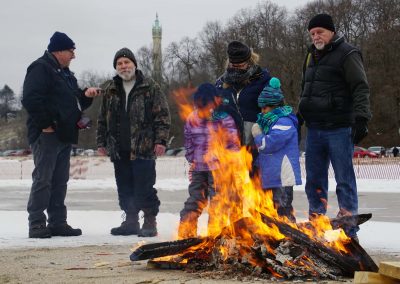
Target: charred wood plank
341, 222
347, 264
155, 250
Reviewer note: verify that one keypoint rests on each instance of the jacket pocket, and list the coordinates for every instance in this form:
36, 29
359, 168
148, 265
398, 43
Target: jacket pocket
145, 144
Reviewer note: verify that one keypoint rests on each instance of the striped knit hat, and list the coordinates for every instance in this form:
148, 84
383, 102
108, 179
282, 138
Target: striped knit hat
271, 95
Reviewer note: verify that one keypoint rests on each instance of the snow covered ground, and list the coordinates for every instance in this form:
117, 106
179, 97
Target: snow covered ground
96, 224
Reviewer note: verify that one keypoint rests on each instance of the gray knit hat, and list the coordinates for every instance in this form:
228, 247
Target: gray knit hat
124, 52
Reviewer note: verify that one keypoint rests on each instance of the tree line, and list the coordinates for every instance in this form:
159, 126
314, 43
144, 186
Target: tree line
281, 40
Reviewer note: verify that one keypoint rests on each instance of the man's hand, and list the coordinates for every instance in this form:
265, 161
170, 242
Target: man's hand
92, 92
159, 150
48, 129
359, 130
101, 151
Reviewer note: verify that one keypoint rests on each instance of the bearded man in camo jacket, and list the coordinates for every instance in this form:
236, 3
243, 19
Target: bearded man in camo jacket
133, 128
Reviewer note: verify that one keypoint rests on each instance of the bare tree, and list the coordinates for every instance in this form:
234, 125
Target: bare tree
184, 56
214, 42
89, 78
145, 60
8, 103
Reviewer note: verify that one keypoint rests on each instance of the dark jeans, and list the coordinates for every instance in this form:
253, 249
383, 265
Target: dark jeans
331, 146
135, 184
283, 198
200, 189
50, 177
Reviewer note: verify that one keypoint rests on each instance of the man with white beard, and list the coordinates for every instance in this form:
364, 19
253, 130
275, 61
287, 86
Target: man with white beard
133, 128
335, 106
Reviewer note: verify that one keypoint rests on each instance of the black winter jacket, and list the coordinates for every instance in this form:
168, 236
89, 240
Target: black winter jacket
50, 96
335, 88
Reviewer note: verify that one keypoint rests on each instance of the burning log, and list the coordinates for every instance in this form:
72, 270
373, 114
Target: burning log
342, 222
356, 260
294, 256
164, 249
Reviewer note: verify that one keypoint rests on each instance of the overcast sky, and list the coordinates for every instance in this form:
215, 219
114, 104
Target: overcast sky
100, 27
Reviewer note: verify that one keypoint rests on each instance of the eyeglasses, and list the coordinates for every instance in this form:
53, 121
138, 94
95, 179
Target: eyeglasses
71, 50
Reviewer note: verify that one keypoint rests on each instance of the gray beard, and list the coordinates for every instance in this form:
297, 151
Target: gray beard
319, 46
127, 76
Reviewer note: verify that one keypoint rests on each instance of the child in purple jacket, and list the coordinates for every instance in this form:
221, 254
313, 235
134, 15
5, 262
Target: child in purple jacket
197, 131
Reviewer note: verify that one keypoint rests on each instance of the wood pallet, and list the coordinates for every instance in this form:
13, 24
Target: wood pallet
389, 273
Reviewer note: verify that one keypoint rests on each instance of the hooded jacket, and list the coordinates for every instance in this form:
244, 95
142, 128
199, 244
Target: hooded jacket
279, 154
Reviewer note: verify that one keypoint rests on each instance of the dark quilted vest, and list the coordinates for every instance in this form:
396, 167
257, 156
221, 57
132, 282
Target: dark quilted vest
326, 101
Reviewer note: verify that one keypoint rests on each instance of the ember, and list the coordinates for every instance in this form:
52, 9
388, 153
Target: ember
246, 236
295, 256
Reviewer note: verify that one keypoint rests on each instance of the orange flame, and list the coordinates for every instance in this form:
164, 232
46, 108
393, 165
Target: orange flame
239, 196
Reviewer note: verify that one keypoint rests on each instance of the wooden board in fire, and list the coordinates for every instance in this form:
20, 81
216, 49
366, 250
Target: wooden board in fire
247, 248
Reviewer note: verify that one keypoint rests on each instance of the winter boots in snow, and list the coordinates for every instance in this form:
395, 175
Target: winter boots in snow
128, 227
64, 230
149, 228
39, 232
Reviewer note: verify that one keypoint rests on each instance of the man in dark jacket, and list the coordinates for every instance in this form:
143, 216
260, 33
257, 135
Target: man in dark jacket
133, 128
335, 107
54, 104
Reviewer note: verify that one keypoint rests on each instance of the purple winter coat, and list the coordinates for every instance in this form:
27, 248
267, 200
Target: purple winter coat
197, 138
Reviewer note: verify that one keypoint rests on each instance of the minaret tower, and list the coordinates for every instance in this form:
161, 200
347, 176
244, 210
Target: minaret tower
157, 57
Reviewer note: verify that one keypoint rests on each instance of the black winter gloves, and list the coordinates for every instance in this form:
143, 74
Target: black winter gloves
359, 129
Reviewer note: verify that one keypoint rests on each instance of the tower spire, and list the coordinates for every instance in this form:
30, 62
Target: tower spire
157, 56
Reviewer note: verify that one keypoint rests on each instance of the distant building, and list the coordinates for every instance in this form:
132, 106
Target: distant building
157, 56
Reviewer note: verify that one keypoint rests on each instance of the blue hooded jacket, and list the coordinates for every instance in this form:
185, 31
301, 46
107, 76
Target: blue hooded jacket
279, 154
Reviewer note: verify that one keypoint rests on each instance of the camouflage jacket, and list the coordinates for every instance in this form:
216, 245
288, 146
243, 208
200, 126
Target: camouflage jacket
148, 113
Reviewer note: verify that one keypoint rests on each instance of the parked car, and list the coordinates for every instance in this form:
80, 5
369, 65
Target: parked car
379, 150
360, 152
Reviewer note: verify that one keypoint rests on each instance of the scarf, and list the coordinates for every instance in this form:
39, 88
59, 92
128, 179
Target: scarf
238, 77
266, 120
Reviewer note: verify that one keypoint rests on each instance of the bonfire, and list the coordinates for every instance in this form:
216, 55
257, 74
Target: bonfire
247, 237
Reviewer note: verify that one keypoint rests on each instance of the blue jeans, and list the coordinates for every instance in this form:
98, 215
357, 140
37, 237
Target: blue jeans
50, 177
333, 146
135, 184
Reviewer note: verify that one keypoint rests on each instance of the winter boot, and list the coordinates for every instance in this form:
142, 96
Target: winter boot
39, 232
64, 230
149, 228
128, 227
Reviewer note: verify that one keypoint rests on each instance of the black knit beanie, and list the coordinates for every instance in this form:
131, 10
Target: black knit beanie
238, 52
322, 21
124, 52
59, 42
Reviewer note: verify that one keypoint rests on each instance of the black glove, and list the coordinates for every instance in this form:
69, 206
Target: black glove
359, 130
